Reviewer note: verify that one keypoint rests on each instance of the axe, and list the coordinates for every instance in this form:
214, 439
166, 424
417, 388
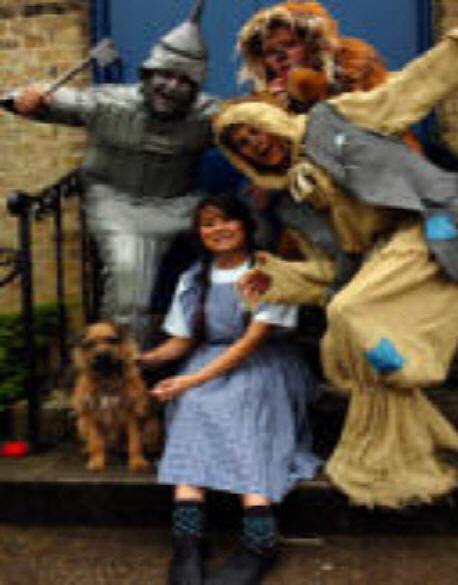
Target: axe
104, 53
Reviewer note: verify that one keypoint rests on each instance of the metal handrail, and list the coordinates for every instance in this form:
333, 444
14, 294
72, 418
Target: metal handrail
11, 259
27, 209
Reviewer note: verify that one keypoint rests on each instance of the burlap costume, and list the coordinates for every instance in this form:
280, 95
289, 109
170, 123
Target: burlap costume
139, 171
393, 328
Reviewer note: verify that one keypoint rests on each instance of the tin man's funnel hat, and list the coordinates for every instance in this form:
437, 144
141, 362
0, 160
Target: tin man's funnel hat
181, 50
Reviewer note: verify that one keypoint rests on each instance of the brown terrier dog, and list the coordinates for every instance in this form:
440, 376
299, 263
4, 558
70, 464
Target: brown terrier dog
109, 395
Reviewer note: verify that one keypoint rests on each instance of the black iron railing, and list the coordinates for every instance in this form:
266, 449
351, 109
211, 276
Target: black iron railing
17, 263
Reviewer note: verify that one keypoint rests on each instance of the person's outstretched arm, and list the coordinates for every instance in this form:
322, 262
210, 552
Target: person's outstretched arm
255, 335
408, 96
274, 280
69, 106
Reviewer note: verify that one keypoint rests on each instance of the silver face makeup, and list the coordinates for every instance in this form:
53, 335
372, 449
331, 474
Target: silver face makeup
169, 94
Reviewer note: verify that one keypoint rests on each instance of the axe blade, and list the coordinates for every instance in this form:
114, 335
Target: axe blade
104, 52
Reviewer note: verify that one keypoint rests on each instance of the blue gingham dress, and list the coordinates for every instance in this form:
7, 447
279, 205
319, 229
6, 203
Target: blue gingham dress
245, 431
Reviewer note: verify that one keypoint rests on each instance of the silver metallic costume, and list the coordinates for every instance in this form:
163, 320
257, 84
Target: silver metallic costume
138, 171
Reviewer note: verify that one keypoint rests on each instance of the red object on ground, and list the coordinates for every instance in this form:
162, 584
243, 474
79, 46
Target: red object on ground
14, 449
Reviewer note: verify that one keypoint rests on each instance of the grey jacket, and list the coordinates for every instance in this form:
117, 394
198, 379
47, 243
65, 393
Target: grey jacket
382, 172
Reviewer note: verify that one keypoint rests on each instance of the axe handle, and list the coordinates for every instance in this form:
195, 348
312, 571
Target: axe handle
8, 102
68, 75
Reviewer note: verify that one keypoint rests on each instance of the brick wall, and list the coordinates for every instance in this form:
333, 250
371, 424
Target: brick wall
39, 40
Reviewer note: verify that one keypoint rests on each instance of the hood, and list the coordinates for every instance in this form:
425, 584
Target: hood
306, 18
264, 116
182, 50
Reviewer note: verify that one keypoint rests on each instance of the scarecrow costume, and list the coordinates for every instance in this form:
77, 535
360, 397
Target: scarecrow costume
139, 170
390, 285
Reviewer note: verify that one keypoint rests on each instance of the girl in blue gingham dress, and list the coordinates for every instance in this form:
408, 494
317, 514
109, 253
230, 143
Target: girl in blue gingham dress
236, 417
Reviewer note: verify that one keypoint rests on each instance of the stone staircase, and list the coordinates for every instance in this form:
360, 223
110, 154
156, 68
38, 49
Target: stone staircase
51, 485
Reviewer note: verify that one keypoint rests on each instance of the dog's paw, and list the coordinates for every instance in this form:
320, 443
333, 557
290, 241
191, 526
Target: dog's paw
96, 463
138, 463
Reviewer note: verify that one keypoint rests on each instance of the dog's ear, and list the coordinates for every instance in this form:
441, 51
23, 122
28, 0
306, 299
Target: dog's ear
77, 338
130, 348
122, 330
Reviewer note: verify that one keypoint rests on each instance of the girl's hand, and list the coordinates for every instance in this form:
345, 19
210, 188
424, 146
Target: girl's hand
253, 284
171, 387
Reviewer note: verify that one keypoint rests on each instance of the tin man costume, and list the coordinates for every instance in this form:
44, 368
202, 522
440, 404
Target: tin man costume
393, 325
139, 169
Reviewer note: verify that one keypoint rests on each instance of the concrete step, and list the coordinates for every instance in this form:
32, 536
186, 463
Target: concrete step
53, 488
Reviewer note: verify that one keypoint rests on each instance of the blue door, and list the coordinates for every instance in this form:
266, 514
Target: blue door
399, 29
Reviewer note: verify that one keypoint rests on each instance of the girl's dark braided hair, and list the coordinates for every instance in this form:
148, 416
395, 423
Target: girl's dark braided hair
232, 208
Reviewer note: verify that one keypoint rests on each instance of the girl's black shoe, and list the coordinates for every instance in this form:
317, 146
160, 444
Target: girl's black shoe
243, 567
187, 564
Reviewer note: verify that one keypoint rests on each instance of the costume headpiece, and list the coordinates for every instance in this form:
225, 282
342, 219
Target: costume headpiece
309, 19
261, 112
182, 49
